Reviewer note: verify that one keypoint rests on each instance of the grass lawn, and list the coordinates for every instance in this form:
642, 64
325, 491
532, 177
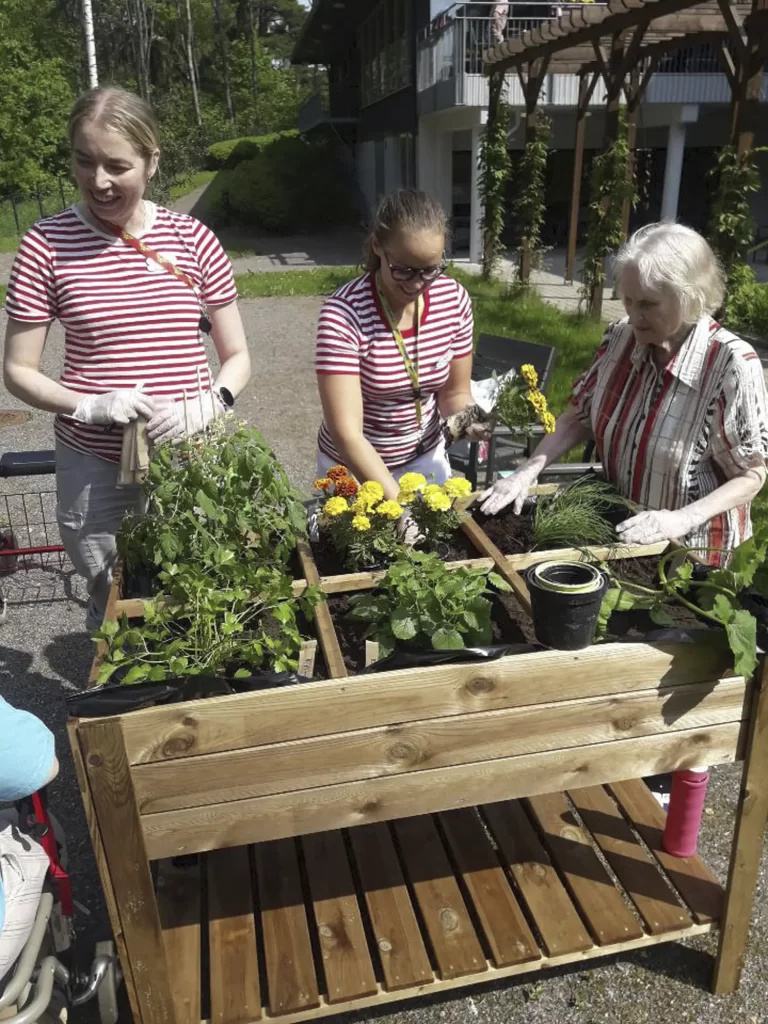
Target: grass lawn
3, 290
197, 180
28, 211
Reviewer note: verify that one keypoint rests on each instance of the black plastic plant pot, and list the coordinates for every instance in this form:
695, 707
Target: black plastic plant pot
565, 601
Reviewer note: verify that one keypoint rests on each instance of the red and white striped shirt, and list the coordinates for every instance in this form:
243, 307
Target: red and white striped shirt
126, 320
354, 337
669, 437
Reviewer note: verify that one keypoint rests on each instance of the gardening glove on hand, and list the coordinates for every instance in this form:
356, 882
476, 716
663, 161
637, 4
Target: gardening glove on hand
654, 527
407, 530
114, 407
509, 489
169, 422
471, 422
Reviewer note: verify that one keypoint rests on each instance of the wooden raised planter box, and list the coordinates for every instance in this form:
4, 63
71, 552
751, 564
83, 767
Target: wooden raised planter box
370, 839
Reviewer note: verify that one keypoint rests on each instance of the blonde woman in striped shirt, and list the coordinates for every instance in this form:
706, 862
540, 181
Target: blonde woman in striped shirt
134, 287
676, 403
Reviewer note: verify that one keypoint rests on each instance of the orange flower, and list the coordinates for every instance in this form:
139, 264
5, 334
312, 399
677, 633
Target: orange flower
325, 484
338, 473
346, 487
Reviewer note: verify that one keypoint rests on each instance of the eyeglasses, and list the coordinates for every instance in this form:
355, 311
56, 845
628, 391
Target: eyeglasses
427, 274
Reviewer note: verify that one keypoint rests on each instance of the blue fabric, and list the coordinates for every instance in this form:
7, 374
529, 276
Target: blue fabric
26, 759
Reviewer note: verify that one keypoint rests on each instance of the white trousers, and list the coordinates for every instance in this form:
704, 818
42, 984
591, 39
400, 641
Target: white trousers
433, 465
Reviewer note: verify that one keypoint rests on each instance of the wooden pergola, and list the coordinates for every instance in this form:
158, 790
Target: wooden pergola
622, 43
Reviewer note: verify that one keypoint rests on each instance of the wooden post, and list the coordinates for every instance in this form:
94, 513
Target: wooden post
117, 813
751, 816
745, 74
586, 90
532, 84
633, 102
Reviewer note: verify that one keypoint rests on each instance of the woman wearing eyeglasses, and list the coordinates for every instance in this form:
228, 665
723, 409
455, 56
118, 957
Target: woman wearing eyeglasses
394, 353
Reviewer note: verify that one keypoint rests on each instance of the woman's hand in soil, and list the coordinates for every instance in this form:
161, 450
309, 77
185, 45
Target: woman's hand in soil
509, 490
655, 527
171, 421
114, 407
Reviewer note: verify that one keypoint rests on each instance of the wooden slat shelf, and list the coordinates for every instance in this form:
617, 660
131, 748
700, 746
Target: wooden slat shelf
386, 912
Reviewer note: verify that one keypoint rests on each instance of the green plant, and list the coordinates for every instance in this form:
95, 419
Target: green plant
577, 515
231, 152
519, 403
421, 605
432, 507
529, 202
494, 173
732, 226
747, 302
360, 524
611, 186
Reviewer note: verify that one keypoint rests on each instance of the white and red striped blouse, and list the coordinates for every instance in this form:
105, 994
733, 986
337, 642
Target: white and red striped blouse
669, 437
354, 337
126, 320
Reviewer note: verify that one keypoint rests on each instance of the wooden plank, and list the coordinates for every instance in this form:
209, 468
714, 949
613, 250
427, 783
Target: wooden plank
403, 958
341, 937
452, 937
103, 868
391, 698
700, 889
634, 867
238, 822
557, 921
291, 980
110, 615
506, 930
613, 553
751, 816
601, 903
416, 746
486, 547
326, 631
179, 900
233, 955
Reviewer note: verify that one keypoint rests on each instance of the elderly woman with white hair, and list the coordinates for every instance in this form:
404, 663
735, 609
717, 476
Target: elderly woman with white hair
675, 403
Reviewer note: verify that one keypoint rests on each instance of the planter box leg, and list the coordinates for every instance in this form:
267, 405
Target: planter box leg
751, 816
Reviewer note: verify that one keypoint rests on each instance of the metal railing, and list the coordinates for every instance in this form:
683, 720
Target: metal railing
20, 210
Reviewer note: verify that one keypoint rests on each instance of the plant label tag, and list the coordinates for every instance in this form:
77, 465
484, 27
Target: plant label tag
307, 654
371, 652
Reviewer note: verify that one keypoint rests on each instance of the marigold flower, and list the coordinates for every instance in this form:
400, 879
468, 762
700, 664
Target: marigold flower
390, 509
548, 422
372, 489
457, 487
324, 484
346, 486
364, 503
438, 502
412, 482
529, 375
335, 506
406, 497
432, 489
537, 400
338, 472
361, 522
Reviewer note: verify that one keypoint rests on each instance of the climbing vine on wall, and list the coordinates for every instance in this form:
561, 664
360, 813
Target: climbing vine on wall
612, 183
494, 174
529, 203
732, 226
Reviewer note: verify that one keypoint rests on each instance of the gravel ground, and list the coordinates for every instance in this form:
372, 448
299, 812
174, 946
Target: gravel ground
45, 654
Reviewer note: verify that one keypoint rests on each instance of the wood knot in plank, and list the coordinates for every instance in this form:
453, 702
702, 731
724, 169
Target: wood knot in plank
183, 741
449, 919
571, 833
406, 754
369, 808
625, 723
480, 687
95, 760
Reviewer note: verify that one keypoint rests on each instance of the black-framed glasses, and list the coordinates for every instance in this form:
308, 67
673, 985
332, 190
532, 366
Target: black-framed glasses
427, 274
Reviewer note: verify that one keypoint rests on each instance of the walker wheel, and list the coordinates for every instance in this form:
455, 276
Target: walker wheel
107, 993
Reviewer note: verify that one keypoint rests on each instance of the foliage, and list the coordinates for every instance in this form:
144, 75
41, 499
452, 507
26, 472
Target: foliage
421, 605
577, 515
716, 595
432, 507
747, 302
231, 152
519, 403
529, 203
270, 190
611, 186
230, 631
322, 281
360, 524
214, 500
732, 226
494, 173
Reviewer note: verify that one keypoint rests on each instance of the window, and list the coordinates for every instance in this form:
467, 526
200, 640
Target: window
384, 53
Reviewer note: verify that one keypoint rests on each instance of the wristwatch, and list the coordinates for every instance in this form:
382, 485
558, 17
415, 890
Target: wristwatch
225, 396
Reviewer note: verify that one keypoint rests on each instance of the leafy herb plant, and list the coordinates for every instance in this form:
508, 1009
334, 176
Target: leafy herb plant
422, 605
433, 507
578, 515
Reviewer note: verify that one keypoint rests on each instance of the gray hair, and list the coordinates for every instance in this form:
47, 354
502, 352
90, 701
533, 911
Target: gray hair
675, 259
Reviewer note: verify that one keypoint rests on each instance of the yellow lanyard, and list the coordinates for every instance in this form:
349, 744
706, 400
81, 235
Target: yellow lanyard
411, 368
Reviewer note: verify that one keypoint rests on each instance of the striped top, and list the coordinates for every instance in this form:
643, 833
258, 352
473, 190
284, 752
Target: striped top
126, 320
354, 337
669, 437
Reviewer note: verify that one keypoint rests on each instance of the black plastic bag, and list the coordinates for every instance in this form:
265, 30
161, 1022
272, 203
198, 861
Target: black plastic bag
416, 659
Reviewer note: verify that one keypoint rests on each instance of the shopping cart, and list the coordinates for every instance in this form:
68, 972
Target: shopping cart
29, 536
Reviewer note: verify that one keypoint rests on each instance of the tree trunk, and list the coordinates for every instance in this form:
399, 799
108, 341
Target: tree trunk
141, 33
190, 35
252, 37
224, 59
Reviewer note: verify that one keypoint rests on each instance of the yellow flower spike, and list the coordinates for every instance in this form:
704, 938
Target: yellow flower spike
390, 509
529, 375
361, 522
457, 487
548, 422
412, 482
335, 506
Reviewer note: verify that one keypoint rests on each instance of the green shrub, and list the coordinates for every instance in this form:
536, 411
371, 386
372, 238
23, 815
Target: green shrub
747, 305
231, 152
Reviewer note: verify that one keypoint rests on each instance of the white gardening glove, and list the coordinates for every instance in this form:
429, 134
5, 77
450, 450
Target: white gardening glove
114, 407
471, 423
407, 530
169, 422
508, 489
654, 527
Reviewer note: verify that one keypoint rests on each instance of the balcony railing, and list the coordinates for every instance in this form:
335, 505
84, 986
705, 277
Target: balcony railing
338, 106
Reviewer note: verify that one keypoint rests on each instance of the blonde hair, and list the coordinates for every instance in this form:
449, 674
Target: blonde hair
672, 258
403, 211
120, 111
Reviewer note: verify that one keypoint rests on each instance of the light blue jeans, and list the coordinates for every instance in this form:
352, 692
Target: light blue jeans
90, 509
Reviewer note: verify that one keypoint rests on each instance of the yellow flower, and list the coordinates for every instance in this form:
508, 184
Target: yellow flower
372, 489
406, 497
438, 502
412, 482
335, 506
457, 487
529, 375
361, 522
390, 509
548, 422
365, 501
537, 400
433, 489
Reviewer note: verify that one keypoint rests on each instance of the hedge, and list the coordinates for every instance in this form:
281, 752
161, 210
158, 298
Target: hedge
231, 152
